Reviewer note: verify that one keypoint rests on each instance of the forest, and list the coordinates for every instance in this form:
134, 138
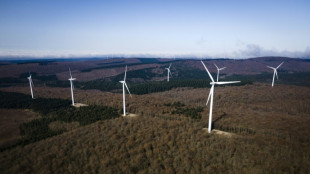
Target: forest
143, 61
52, 110
256, 128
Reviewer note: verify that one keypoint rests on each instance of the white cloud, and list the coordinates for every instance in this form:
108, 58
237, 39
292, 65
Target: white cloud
249, 51
253, 50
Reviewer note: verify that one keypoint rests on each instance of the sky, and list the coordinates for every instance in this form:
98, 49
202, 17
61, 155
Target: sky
163, 28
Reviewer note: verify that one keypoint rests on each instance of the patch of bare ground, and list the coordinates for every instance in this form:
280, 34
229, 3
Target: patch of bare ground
221, 133
131, 115
78, 105
10, 120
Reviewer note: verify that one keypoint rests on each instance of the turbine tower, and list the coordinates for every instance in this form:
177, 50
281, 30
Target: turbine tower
124, 92
218, 72
31, 84
72, 86
169, 72
212, 93
275, 72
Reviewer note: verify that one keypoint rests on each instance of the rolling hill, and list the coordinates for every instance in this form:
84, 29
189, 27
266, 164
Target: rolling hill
265, 130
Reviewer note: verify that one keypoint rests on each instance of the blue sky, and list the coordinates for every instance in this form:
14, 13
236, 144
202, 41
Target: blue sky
200, 28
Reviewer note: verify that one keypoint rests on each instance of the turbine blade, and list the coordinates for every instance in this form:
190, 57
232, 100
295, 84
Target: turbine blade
270, 67
70, 72
279, 65
216, 66
207, 71
223, 83
125, 73
209, 95
127, 89
169, 66
277, 74
170, 72
32, 82
222, 68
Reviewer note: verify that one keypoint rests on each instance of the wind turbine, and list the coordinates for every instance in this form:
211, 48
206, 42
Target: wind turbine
275, 72
218, 72
31, 84
212, 93
72, 86
169, 72
124, 84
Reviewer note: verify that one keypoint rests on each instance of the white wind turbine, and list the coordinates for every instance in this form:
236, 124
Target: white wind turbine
169, 72
72, 86
275, 72
124, 92
31, 84
218, 72
211, 94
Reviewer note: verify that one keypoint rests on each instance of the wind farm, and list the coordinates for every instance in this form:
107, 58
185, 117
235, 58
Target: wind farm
239, 108
154, 87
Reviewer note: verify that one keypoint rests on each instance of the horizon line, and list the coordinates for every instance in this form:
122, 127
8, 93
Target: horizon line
124, 56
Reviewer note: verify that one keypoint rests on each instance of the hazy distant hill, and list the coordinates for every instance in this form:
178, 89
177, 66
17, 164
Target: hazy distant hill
99, 72
239, 66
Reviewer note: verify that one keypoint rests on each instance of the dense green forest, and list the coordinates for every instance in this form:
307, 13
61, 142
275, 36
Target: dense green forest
180, 109
142, 62
182, 77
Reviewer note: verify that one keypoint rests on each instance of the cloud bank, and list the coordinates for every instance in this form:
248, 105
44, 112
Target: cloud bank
249, 51
253, 50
